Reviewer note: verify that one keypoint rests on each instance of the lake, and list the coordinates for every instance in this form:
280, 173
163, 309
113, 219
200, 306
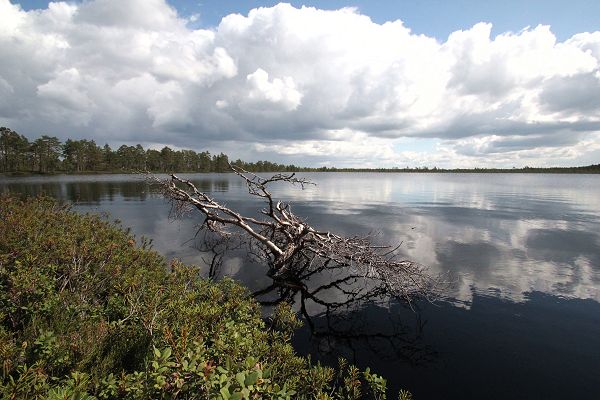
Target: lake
521, 252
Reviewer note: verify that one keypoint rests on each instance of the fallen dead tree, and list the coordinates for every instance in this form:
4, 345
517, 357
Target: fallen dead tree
304, 264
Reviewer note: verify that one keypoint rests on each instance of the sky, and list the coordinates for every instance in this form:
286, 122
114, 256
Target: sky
317, 83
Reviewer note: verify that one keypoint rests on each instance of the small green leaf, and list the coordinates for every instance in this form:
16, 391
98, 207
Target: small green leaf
166, 353
240, 377
225, 393
251, 378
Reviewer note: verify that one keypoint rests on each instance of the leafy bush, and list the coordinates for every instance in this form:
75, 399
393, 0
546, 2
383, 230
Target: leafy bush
88, 313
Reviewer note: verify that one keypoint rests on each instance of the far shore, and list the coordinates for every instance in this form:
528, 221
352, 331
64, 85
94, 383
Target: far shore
592, 169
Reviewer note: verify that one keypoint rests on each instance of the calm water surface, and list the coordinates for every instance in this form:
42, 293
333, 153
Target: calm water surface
522, 252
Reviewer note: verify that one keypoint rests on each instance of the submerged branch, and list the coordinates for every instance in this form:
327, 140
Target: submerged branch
332, 271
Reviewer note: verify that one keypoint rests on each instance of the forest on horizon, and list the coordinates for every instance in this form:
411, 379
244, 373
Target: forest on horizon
47, 155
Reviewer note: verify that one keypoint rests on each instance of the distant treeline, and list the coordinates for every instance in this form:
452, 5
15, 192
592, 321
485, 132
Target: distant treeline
47, 154
588, 169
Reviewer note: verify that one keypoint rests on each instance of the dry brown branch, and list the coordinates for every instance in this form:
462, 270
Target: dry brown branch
305, 264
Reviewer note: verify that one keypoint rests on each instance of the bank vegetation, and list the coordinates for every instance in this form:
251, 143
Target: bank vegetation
87, 311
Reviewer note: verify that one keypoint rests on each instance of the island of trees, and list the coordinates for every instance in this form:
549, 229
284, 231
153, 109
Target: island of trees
47, 154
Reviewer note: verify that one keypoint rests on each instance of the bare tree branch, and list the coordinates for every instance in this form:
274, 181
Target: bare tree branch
332, 271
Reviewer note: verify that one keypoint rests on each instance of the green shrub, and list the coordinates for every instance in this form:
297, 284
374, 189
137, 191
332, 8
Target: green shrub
86, 313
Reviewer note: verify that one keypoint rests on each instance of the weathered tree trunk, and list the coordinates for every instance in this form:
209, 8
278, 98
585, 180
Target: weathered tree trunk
299, 255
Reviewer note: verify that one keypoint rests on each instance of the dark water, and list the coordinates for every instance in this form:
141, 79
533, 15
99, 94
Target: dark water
522, 252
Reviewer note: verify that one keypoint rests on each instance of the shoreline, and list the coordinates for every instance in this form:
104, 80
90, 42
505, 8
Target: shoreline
552, 171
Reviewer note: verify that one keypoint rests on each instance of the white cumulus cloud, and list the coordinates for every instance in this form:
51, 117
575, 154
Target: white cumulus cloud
278, 91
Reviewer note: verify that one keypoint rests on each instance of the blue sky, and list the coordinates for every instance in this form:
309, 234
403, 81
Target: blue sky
457, 84
436, 18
